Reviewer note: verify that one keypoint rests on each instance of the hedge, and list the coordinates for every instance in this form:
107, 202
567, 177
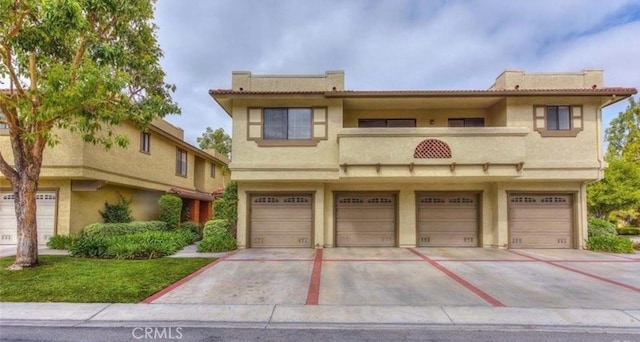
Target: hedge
600, 227
628, 231
611, 244
111, 229
170, 210
141, 245
217, 237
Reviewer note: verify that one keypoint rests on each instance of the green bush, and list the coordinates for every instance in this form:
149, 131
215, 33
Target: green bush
170, 209
600, 227
217, 237
194, 227
628, 231
142, 245
117, 213
612, 244
213, 225
226, 208
111, 229
62, 241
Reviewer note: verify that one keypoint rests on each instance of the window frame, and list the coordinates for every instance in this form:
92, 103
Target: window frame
541, 120
287, 122
180, 162
386, 122
3, 121
212, 173
145, 144
465, 122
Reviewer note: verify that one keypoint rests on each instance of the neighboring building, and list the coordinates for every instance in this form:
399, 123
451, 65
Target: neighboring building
78, 178
318, 165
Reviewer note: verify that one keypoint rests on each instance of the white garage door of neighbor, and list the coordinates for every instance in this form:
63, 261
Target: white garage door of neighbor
540, 221
281, 220
46, 217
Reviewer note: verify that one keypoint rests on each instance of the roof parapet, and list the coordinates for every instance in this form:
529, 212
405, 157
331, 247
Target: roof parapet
518, 79
245, 81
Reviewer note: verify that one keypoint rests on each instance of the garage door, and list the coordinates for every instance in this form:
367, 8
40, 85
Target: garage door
46, 217
447, 219
540, 221
281, 221
365, 220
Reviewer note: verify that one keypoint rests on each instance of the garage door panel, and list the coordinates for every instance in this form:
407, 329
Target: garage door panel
540, 221
365, 220
281, 221
448, 219
45, 217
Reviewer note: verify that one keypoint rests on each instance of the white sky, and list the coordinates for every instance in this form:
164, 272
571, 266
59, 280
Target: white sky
389, 44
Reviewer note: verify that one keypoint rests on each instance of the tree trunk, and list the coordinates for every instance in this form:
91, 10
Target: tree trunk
25, 205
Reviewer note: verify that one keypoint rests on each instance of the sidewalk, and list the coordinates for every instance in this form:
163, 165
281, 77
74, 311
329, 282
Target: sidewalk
65, 314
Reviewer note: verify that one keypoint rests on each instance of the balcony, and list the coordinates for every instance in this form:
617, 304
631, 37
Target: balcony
496, 152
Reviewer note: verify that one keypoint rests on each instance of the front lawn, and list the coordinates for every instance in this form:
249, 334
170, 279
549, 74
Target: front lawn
80, 280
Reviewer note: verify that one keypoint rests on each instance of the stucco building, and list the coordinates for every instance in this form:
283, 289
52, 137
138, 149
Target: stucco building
508, 167
77, 178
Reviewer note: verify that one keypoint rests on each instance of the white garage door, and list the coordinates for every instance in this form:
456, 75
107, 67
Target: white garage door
281, 220
365, 220
46, 217
540, 221
448, 219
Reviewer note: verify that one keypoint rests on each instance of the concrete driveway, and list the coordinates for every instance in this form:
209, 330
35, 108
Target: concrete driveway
416, 277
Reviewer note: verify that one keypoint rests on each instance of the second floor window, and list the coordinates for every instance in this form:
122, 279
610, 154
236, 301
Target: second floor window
213, 170
181, 162
287, 123
386, 123
466, 122
145, 142
558, 118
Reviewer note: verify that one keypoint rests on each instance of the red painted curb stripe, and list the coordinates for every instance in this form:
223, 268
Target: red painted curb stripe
269, 260
314, 284
487, 297
375, 260
180, 282
554, 263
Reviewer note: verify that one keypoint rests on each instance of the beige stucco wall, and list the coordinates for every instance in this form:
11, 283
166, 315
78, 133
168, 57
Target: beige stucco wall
265, 162
85, 205
586, 78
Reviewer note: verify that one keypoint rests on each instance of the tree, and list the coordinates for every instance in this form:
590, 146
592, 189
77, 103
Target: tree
623, 135
217, 140
79, 65
620, 189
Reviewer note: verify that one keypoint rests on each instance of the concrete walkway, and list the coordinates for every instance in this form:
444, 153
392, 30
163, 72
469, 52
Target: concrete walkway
64, 314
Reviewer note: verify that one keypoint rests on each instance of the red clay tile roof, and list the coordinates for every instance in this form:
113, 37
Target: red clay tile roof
621, 91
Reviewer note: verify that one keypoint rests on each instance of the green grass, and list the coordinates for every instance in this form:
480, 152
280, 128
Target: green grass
80, 280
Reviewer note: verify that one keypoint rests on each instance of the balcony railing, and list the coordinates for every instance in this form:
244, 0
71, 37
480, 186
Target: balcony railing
497, 151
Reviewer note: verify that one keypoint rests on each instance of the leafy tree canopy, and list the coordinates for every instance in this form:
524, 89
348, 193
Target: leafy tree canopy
623, 135
217, 140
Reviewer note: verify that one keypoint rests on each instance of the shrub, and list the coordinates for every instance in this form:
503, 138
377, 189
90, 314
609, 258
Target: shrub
217, 237
213, 225
612, 244
170, 209
194, 227
636, 245
90, 247
142, 245
117, 213
111, 229
227, 207
62, 241
628, 231
600, 227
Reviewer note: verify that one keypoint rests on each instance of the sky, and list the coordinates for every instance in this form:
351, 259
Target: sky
389, 44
